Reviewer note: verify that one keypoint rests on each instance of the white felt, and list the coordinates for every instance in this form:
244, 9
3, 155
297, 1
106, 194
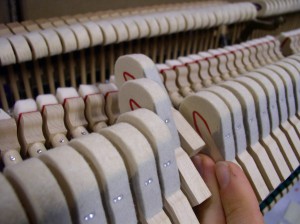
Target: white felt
108, 32
7, 55
67, 38
294, 74
38, 45
81, 35
135, 66
144, 29
24, 106
149, 96
153, 25
94, 33
85, 90
211, 18
21, 48
271, 146
104, 88
163, 23
78, 183
159, 137
53, 42
181, 23
270, 91
153, 97
190, 22
120, 29
111, 174
140, 163
46, 99
132, 28
236, 116
210, 116
173, 25
280, 93
63, 93
260, 102
248, 106
286, 92
35, 185
287, 79
258, 152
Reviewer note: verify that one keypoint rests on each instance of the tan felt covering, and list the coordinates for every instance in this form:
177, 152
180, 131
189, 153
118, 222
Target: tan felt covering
8, 135
78, 183
112, 107
94, 110
53, 124
30, 131
111, 174
203, 73
35, 185
74, 116
10, 205
169, 77
181, 76
193, 69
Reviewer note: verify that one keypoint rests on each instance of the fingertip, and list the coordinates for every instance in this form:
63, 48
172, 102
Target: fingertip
211, 210
202, 163
237, 196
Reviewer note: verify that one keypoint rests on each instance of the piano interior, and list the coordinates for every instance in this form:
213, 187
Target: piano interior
102, 105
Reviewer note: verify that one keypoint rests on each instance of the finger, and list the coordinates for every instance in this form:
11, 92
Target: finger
211, 210
238, 199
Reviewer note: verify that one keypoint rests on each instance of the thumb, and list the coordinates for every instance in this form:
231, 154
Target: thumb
238, 199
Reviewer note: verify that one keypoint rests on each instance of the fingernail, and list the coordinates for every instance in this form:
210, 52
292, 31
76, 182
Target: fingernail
223, 174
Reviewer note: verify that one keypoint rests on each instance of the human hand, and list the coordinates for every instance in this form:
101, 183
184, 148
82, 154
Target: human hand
233, 200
